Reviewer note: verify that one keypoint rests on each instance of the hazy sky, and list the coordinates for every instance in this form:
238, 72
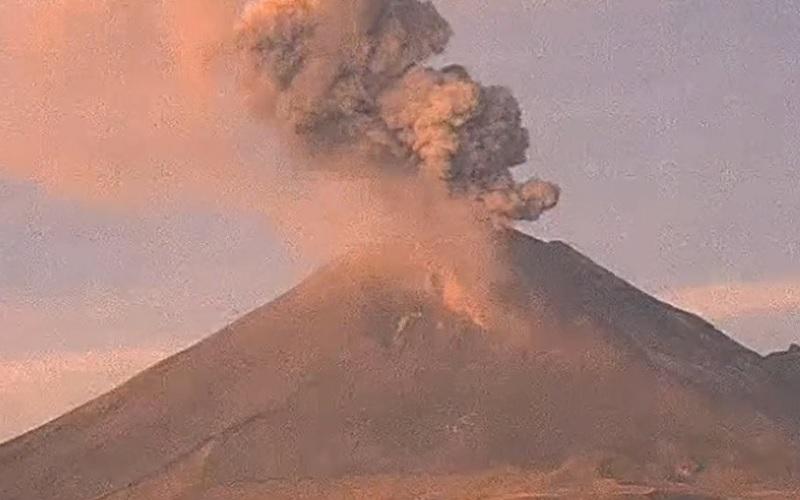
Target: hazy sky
672, 127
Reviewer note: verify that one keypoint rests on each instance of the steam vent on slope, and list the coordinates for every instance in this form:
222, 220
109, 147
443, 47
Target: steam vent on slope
449, 358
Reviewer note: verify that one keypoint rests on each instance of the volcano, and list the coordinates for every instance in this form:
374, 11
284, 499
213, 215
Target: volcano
361, 383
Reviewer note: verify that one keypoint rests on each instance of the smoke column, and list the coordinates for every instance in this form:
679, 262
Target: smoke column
424, 151
346, 79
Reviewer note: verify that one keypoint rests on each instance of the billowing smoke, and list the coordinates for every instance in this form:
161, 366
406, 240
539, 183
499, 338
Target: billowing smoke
89, 82
346, 79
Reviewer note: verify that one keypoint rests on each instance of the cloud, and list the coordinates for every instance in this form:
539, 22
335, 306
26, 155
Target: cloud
188, 306
36, 389
725, 301
120, 102
132, 106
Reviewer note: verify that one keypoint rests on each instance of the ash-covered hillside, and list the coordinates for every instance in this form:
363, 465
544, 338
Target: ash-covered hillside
366, 370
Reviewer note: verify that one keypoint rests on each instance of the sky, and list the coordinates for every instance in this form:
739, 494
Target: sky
672, 128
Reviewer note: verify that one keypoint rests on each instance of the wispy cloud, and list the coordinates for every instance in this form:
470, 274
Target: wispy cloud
105, 317
119, 102
38, 388
725, 301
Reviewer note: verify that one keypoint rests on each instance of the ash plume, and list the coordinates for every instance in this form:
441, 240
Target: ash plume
347, 78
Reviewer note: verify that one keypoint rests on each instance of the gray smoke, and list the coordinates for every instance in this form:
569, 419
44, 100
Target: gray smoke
348, 77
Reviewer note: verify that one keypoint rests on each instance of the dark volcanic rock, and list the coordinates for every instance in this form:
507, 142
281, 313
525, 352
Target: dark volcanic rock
358, 372
786, 366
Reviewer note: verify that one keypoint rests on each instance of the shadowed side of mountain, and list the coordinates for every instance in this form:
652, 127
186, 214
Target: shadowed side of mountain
673, 341
786, 367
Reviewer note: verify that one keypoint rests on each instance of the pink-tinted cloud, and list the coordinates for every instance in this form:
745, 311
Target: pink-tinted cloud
738, 299
116, 101
136, 106
37, 389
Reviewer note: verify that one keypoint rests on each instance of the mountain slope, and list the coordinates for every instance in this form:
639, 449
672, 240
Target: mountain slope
361, 372
785, 366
